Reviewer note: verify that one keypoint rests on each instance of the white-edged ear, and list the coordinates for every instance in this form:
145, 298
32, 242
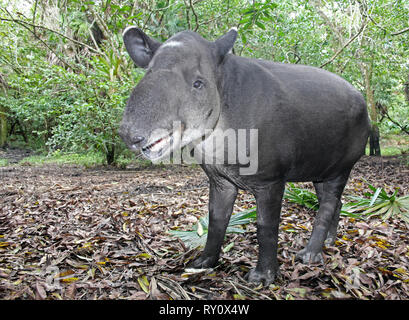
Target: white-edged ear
226, 42
140, 47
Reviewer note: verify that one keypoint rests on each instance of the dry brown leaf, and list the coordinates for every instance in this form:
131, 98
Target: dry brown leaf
80, 233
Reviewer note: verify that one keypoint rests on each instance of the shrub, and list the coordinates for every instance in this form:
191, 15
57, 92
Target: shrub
71, 112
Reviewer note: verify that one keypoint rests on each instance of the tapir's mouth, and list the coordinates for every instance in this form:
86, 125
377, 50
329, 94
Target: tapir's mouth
167, 143
158, 148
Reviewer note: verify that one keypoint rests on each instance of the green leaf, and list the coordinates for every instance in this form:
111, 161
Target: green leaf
234, 230
243, 38
371, 187
198, 236
246, 20
379, 206
260, 25
228, 247
375, 196
247, 26
144, 283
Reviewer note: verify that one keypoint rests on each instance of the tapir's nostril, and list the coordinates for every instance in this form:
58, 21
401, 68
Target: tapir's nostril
133, 142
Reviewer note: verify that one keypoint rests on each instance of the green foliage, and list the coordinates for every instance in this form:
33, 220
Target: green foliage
198, 235
374, 203
91, 121
36, 98
87, 160
257, 14
378, 203
69, 111
303, 197
69, 76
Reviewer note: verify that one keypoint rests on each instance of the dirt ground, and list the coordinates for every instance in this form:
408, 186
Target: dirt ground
67, 232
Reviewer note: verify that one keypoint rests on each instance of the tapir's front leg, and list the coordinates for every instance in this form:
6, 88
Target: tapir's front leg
221, 200
268, 217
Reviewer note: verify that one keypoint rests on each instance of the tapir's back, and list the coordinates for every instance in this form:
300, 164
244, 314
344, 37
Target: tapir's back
298, 87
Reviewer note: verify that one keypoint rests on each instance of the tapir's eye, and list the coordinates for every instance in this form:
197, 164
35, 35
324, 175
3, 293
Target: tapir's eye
198, 84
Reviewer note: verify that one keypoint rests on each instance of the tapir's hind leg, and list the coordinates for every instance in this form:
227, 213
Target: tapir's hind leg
332, 231
326, 223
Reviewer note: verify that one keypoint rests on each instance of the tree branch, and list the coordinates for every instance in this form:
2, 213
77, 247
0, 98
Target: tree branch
384, 112
400, 32
344, 46
367, 14
9, 63
34, 26
34, 14
187, 15
195, 14
105, 31
24, 25
335, 29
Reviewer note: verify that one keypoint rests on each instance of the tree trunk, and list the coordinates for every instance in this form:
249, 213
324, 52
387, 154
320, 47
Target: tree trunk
374, 146
110, 155
3, 127
3, 115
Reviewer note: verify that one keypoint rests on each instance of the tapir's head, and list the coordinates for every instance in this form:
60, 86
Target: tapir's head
180, 87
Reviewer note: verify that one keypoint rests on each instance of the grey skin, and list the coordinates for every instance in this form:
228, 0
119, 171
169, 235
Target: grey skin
312, 126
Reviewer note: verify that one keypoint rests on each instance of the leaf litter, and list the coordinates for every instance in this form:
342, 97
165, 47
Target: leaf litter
72, 233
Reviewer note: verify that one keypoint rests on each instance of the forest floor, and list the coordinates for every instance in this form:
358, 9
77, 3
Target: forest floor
67, 232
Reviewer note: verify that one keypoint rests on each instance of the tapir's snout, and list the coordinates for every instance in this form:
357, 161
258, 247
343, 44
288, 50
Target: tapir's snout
133, 141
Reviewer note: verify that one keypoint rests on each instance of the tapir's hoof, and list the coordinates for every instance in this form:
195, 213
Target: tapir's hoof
203, 263
308, 257
264, 277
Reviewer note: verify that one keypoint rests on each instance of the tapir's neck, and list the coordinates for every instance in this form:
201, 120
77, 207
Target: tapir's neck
231, 79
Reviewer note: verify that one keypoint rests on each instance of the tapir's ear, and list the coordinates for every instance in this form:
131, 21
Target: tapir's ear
140, 47
226, 42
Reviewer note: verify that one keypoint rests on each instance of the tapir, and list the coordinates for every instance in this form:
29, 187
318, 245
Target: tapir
306, 124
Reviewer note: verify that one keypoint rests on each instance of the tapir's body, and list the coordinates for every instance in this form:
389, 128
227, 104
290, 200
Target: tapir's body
311, 126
